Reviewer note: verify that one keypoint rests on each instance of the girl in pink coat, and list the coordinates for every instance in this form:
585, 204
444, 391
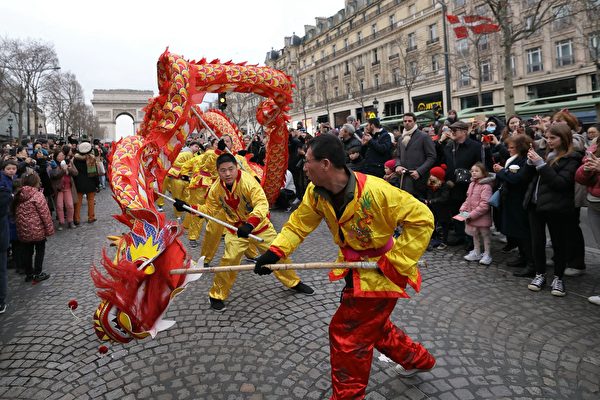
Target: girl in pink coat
477, 214
34, 225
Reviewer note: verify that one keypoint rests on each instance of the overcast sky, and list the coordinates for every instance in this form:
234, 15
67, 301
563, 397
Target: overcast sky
114, 44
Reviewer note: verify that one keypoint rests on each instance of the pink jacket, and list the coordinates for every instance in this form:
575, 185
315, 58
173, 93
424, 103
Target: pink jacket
590, 179
477, 205
32, 216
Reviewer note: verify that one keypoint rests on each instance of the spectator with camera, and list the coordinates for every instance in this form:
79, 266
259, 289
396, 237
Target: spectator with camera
550, 200
61, 175
512, 185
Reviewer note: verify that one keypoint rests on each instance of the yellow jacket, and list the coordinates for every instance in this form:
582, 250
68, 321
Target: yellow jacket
245, 202
368, 222
181, 159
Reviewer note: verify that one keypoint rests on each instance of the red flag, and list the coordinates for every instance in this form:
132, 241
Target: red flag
477, 24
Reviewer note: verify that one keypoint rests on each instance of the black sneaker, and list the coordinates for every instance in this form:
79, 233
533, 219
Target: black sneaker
3, 308
217, 304
28, 278
42, 276
537, 283
193, 243
558, 287
303, 288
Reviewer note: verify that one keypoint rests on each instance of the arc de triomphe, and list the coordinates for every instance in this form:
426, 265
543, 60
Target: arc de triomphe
111, 103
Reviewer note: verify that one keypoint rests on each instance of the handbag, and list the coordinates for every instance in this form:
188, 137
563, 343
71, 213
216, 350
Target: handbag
462, 176
100, 167
494, 200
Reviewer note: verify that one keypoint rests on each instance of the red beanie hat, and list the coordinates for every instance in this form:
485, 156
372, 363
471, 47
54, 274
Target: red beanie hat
390, 164
439, 172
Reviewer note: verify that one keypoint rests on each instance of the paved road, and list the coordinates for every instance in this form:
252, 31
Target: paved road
492, 337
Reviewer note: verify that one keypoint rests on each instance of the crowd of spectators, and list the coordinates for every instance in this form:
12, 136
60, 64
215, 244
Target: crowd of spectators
42, 187
517, 180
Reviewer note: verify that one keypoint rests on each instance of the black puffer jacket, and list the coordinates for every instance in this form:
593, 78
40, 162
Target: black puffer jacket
376, 152
556, 187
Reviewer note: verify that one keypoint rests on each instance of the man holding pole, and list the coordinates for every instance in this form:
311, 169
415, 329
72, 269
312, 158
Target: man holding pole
361, 212
242, 201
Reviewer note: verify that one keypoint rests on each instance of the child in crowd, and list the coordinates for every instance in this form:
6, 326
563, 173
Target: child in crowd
356, 159
390, 175
9, 169
436, 198
477, 214
34, 225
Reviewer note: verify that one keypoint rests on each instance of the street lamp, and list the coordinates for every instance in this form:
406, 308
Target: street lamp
375, 105
446, 58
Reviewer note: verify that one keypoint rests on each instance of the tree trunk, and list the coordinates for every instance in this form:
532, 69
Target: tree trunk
509, 93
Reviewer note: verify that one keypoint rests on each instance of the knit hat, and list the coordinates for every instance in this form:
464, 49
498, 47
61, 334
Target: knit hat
439, 172
84, 148
390, 164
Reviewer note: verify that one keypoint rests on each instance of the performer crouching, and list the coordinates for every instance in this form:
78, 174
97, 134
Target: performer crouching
361, 212
243, 202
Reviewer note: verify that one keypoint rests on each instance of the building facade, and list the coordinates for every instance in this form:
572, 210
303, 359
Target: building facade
386, 57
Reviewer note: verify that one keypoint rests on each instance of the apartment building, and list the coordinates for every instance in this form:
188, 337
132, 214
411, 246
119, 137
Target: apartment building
386, 57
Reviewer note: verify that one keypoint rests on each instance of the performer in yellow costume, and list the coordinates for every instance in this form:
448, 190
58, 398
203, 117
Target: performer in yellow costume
204, 174
177, 183
361, 212
245, 206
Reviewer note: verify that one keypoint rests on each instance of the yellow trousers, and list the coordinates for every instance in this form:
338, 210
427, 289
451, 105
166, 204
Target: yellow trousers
179, 191
166, 185
212, 238
196, 197
234, 249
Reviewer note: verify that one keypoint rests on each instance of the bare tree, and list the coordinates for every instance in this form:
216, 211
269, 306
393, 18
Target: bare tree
26, 64
516, 25
323, 80
62, 99
241, 110
413, 63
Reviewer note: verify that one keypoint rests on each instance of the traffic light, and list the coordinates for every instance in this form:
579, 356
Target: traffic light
222, 101
437, 112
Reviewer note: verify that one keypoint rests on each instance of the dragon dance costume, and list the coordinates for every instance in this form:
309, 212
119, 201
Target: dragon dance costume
244, 202
177, 183
362, 226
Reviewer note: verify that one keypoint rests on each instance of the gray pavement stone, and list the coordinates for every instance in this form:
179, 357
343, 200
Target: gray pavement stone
491, 336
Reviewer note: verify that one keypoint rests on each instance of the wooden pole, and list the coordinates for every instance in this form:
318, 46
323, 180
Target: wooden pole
213, 219
276, 267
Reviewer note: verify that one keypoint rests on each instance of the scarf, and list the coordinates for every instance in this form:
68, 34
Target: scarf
406, 135
510, 160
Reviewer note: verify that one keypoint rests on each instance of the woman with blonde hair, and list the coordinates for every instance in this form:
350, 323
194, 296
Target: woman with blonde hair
550, 200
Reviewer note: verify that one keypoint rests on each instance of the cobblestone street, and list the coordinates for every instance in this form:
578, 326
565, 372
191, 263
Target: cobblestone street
493, 338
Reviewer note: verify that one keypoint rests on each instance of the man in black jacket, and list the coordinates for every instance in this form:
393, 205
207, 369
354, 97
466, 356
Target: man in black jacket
461, 154
377, 148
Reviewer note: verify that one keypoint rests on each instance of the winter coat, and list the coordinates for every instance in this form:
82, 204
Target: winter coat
513, 217
56, 177
419, 155
83, 182
32, 215
477, 205
556, 187
591, 179
5, 199
464, 155
437, 200
348, 144
376, 152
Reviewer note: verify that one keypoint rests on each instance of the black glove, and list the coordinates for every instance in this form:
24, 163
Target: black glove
244, 230
179, 205
221, 145
268, 258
